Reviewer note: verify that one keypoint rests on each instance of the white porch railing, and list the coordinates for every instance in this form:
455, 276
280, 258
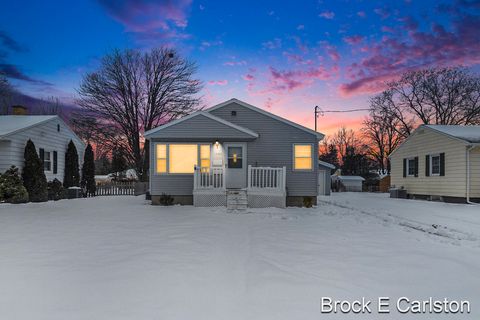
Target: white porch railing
208, 178
266, 179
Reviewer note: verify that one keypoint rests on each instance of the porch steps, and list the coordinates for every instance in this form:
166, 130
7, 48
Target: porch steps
237, 200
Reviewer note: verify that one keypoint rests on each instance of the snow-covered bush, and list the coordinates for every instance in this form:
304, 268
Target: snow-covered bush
56, 191
11, 187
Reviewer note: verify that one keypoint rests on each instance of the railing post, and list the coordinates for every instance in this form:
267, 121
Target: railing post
284, 178
249, 177
194, 177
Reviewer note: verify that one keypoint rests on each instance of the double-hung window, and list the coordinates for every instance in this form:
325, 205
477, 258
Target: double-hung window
302, 157
435, 165
47, 161
411, 167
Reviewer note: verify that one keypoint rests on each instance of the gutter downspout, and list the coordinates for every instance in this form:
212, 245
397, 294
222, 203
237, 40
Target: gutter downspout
470, 148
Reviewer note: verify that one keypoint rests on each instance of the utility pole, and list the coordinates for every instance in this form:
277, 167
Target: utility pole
317, 112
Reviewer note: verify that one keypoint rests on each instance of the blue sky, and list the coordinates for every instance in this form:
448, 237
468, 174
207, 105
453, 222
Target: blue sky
285, 56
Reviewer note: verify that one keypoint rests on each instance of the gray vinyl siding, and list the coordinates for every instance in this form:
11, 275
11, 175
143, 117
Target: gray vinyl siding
43, 135
274, 146
200, 128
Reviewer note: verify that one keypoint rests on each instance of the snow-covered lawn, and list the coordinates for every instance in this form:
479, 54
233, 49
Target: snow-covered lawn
120, 258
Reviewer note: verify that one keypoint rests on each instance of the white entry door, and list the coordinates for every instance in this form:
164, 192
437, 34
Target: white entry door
321, 182
236, 165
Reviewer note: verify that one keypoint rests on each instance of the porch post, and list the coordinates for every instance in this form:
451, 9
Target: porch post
249, 176
284, 178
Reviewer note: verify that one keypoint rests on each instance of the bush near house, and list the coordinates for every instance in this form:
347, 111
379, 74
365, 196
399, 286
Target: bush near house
11, 187
88, 172
166, 199
34, 179
72, 173
56, 191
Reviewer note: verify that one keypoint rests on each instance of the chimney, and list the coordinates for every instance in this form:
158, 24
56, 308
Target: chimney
19, 110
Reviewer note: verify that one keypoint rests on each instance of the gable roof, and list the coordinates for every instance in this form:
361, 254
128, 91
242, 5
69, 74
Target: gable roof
271, 115
11, 124
466, 133
205, 114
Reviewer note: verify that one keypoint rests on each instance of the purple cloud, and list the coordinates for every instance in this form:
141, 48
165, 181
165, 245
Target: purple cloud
356, 39
10, 43
218, 82
149, 16
327, 15
390, 57
13, 72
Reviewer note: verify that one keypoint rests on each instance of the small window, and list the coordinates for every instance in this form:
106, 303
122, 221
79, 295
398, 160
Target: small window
411, 169
234, 113
47, 161
58, 127
302, 157
205, 157
161, 154
435, 165
235, 157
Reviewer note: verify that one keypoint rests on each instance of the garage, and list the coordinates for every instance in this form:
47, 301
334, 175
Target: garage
324, 180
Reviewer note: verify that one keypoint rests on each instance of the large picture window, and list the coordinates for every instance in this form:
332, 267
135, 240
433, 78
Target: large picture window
182, 158
302, 157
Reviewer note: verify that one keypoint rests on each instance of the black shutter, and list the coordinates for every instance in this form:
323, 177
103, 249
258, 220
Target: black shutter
404, 168
442, 164
41, 154
427, 165
416, 167
54, 162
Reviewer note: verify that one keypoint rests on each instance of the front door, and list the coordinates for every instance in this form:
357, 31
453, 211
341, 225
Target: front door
235, 165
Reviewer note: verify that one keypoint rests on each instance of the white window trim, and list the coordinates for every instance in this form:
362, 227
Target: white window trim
430, 159
167, 144
312, 157
408, 166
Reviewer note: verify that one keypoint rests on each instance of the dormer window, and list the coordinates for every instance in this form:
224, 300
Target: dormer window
234, 113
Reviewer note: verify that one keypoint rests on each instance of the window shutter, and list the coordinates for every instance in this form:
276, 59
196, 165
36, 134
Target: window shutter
442, 164
404, 168
54, 162
427, 165
41, 154
416, 167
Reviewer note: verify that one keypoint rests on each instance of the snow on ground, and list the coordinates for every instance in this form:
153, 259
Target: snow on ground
120, 258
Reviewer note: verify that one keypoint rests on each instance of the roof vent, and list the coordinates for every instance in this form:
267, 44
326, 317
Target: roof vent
19, 110
234, 113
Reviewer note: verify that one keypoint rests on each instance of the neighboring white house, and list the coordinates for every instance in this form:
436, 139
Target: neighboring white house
50, 135
439, 161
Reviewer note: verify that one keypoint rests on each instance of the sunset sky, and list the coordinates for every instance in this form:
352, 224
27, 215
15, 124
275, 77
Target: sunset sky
284, 56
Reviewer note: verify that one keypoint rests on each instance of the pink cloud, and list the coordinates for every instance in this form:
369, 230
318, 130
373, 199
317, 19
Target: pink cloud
295, 79
148, 16
248, 77
218, 82
300, 27
390, 57
327, 15
332, 52
361, 14
353, 39
384, 13
387, 29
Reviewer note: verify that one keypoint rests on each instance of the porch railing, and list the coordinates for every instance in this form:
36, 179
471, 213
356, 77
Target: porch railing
266, 179
208, 178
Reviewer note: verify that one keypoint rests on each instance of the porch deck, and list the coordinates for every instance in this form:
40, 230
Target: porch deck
266, 187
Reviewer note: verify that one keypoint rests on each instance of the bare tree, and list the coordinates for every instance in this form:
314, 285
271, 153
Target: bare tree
343, 139
134, 92
435, 96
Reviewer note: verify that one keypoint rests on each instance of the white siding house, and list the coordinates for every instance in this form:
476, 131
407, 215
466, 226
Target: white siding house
439, 161
50, 135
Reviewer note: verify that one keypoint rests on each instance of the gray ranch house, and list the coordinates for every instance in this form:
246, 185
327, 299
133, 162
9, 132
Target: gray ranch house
236, 154
51, 136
